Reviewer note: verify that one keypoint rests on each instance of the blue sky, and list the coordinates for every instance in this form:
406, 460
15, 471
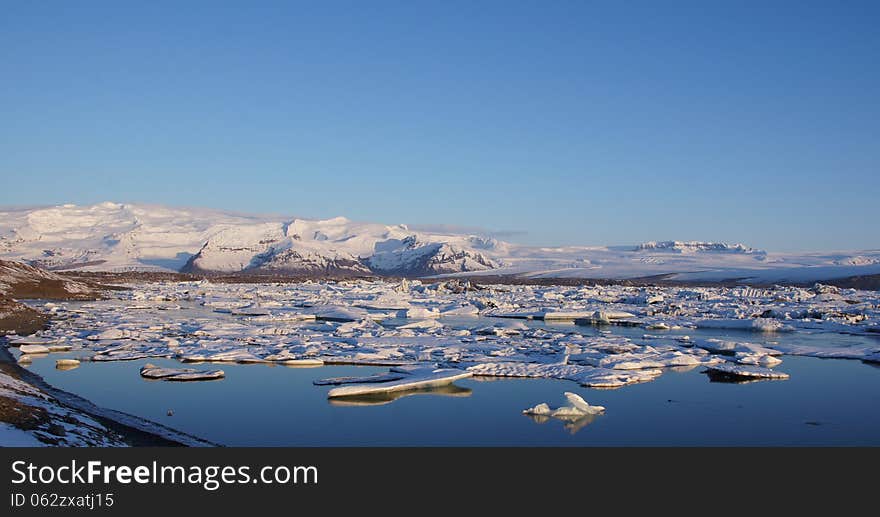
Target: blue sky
573, 122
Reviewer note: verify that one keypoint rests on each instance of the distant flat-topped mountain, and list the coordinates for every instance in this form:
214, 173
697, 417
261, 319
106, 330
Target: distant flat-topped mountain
697, 247
138, 237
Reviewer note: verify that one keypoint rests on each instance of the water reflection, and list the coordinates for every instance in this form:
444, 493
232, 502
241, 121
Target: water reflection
572, 424
380, 399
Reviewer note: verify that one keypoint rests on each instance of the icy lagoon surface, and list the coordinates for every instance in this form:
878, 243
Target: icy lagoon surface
643, 354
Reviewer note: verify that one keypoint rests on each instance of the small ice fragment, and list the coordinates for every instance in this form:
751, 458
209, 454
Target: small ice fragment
303, 362
66, 364
540, 409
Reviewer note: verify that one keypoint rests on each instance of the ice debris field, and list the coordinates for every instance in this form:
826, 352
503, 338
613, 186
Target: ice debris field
430, 334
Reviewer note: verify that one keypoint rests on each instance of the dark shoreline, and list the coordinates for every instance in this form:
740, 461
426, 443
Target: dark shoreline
134, 431
17, 318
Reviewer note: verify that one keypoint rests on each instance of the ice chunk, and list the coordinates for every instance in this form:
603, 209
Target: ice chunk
608, 316
463, 310
730, 370
34, 349
541, 409
865, 353
724, 347
113, 334
768, 361
508, 328
577, 409
753, 324
578, 403
303, 362
423, 325
66, 364
151, 371
568, 315
337, 313
422, 312
584, 375
33, 340
379, 399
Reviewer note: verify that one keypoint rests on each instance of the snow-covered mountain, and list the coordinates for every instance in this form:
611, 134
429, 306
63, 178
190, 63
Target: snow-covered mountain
122, 237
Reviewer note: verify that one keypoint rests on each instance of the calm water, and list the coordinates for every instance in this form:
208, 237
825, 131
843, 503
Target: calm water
826, 402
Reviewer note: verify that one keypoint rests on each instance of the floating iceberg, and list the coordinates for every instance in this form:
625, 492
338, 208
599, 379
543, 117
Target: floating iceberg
753, 324
421, 378
568, 315
588, 376
577, 415
34, 349
578, 407
151, 371
303, 362
740, 371
33, 340
66, 364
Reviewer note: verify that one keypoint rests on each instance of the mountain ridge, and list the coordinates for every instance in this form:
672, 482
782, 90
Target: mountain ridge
118, 237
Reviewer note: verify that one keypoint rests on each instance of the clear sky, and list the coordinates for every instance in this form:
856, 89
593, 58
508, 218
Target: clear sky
574, 122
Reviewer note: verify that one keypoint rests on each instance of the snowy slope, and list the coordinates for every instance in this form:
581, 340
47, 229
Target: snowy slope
120, 237
111, 236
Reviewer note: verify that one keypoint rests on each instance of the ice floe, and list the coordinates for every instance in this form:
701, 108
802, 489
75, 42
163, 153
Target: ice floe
740, 371
413, 379
150, 371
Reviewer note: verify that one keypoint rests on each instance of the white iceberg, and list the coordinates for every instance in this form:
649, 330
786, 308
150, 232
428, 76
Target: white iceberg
577, 407
34, 349
66, 364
